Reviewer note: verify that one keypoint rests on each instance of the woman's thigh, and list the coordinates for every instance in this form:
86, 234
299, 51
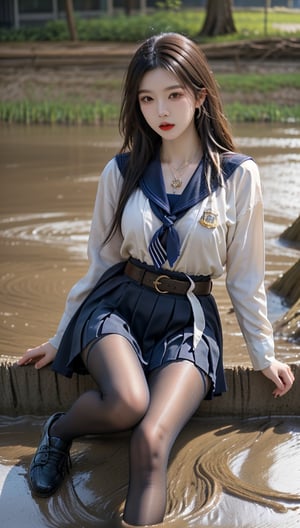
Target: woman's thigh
176, 391
115, 367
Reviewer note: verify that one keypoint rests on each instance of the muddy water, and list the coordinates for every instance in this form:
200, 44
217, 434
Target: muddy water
48, 184
221, 474
226, 474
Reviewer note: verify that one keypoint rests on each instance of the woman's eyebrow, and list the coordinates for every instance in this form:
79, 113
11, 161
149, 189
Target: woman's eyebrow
167, 89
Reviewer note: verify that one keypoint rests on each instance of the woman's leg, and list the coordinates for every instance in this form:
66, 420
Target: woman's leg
176, 391
122, 397
119, 403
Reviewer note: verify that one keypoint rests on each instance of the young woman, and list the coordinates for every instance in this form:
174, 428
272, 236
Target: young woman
175, 209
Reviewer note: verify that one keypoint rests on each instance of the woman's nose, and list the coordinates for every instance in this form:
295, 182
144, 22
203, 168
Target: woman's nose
162, 110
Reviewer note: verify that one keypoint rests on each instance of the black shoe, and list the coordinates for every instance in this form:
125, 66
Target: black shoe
50, 462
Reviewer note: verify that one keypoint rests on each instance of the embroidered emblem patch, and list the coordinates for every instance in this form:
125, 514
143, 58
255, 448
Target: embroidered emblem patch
209, 219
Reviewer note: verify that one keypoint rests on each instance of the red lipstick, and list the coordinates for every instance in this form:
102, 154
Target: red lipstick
166, 126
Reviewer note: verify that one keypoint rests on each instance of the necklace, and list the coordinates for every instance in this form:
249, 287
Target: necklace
177, 174
176, 183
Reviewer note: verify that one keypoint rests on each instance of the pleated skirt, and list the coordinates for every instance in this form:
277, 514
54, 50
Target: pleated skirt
158, 326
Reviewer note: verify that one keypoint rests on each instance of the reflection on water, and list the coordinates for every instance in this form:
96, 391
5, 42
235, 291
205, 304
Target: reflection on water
221, 474
59, 229
48, 183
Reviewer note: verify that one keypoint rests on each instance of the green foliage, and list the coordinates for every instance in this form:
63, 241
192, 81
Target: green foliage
252, 82
55, 30
57, 112
250, 25
70, 113
269, 112
171, 5
114, 29
74, 111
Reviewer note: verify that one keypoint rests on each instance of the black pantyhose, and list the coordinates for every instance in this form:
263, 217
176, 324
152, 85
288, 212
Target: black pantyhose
122, 398
157, 411
176, 391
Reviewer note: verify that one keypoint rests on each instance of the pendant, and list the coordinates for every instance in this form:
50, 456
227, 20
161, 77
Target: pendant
209, 219
176, 183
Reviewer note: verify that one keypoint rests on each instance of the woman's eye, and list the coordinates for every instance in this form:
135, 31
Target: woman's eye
146, 99
176, 95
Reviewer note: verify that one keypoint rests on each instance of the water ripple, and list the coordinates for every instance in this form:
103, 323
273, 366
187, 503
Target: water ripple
269, 142
49, 228
218, 470
226, 474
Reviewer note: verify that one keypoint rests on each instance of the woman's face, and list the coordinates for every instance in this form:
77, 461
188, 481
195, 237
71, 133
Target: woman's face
166, 104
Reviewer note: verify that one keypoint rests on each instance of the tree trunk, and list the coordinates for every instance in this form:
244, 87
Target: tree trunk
292, 233
288, 285
128, 5
219, 19
71, 19
289, 325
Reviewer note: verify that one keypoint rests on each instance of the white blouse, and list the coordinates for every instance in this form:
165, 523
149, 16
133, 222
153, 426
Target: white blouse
235, 246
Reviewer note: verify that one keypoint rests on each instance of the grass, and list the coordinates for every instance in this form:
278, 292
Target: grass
72, 109
270, 97
232, 82
269, 112
42, 105
29, 112
250, 24
259, 83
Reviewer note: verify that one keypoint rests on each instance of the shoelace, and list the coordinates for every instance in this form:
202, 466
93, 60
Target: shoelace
52, 455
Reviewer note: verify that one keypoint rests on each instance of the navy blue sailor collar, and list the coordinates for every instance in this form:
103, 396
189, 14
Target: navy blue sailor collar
152, 185
165, 244
197, 188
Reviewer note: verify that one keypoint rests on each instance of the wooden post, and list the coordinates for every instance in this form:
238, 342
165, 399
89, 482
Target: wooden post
54, 9
110, 7
70, 19
16, 15
267, 5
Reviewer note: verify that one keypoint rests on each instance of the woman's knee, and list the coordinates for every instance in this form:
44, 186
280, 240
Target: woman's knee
127, 406
150, 446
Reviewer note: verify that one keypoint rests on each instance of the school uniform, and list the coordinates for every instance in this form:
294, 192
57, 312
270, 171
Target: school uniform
194, 237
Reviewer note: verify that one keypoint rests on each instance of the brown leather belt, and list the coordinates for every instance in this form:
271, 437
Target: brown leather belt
164, 283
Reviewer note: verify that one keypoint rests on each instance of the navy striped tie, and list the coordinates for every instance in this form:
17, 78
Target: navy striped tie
165, 243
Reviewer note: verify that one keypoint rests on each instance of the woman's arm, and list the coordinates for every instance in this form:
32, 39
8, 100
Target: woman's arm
245, 279
40, 356
100, 259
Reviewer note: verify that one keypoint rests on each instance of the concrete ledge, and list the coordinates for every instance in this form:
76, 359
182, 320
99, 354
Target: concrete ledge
25, 390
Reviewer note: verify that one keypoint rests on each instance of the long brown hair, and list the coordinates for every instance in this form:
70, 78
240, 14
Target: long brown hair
183, 58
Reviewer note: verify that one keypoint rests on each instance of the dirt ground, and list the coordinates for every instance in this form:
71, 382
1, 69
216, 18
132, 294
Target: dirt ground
87, 73
92, 84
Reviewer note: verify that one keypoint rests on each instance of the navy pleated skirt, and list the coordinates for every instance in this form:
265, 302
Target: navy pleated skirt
158, 326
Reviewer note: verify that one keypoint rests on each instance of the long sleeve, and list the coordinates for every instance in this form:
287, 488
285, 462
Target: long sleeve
100, 257
246, 267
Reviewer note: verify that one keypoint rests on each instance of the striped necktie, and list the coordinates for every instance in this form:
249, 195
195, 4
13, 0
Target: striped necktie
165, 243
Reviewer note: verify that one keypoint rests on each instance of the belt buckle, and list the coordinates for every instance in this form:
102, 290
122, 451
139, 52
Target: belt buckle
156, 283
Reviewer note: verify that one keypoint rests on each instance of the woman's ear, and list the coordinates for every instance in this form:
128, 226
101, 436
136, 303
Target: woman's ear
201, 97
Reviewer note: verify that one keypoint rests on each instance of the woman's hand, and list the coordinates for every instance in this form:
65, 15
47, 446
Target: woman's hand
281, 375
40, 356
